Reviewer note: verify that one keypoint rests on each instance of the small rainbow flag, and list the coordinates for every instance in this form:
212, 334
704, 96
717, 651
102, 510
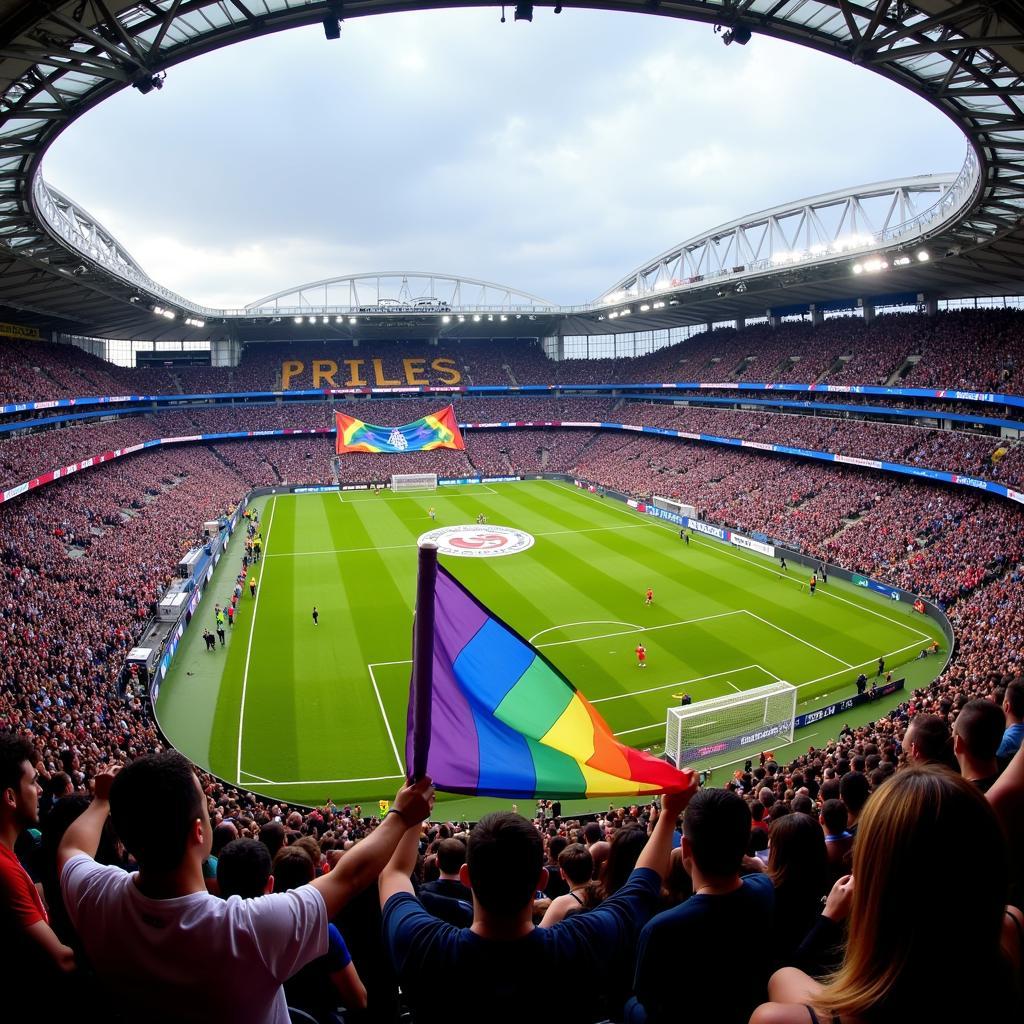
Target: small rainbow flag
438, 430
491, 716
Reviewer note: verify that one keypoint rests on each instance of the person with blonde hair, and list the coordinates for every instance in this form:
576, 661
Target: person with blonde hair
930, 937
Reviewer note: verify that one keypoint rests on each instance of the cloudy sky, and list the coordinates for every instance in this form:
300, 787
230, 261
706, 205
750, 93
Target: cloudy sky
554, 156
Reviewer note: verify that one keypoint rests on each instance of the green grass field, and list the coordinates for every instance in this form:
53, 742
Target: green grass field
304, 713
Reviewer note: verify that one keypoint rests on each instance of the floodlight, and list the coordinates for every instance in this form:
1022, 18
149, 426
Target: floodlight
737, 34
858, 268
524, 12
312, 319
332, 27
298, 319
644, 308
446, 319
476, 318
923, 256
147, 82
323, 319
558, 8
351, 319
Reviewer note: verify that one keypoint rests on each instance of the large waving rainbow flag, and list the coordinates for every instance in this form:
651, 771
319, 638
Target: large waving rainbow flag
438, 430
491, 716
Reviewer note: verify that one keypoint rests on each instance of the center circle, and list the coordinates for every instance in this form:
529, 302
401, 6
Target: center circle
478, 541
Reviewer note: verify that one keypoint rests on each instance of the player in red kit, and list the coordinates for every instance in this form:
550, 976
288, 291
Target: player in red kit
649, 596
641, 656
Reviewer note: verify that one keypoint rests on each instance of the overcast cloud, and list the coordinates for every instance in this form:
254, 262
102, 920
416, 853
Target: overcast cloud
553, 156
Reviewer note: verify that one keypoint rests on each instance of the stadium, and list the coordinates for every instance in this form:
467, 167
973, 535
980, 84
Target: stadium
704, 595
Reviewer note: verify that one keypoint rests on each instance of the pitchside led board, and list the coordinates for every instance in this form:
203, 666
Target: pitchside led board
362, 373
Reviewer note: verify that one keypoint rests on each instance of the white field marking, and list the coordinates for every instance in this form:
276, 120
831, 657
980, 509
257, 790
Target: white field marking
252, 633
713, 545
416, 495
796, 739
329, 782
641, 629
807, 643
733, 685
777, 679
677, 683
870, 661
585, 622
393, 547
259, 778
387, 724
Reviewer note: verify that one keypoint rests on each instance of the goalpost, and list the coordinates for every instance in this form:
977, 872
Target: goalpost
737, 720
413, 482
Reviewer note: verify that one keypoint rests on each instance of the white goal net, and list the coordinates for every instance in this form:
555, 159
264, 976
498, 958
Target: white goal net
712, 727
413, 482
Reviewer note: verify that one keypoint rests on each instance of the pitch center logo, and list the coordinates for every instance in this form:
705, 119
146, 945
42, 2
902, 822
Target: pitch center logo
478, 541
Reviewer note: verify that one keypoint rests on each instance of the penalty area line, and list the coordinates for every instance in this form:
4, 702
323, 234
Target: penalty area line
387, 724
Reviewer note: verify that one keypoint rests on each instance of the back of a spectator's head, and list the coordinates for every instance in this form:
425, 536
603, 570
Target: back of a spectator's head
833, 817
927, 739
715, 830
504, 863
756, 810
895, 949
576, 863
293, 867
272, 836
60, 785
243, 869
797, 852
854, 792
312, 847
451, 855
1013, 700
592, 832
159, 811
978, 729
223, 834
556, 844
802, 804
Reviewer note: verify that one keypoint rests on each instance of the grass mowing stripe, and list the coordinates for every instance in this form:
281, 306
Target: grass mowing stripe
252, 633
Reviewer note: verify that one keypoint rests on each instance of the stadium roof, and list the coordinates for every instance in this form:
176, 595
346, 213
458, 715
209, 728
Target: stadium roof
62, 270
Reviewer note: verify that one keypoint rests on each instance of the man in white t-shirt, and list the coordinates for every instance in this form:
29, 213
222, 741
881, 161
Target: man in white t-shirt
168, 950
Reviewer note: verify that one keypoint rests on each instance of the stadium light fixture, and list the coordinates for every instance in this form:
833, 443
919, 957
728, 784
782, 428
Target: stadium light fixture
462, 319
558, 8
858, 268
298, 319
901, 261
351, 319
323, 319
147, 82
446, 319
490, 317
503, 318
476, 318
312, 319
338, 319
736, 34
644, 308
659, 305
523, 12
923, 256
332, 20
613, 316
625, 312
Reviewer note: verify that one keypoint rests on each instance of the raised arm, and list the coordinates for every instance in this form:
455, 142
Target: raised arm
657, 854
365, 861
83, 834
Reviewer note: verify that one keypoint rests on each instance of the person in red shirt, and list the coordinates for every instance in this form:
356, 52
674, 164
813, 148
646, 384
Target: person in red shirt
24, 925
641, 656
649, 599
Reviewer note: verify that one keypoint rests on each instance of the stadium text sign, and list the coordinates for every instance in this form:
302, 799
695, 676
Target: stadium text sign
362, 373
478, 541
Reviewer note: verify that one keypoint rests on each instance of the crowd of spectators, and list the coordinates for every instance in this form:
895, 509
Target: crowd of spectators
83, 561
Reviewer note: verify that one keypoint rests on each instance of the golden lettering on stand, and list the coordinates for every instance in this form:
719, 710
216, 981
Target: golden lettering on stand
323, 373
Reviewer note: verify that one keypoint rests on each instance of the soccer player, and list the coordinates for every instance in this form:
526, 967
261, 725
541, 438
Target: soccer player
814, 582
881, 666
782, 563
316, 616
649, 596
641, 656
252, 586
432, 513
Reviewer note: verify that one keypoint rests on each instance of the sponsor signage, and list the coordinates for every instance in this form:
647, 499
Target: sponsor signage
752, 545
315, 490
478, 541
847, 704
707, 529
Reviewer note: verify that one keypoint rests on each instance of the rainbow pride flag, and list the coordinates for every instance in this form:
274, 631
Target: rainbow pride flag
438, 430
491, 716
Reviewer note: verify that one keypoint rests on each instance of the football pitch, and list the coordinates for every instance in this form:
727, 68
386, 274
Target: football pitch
308, 712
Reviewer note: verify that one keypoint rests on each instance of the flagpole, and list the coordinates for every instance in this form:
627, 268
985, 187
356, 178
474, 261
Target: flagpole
423, 659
